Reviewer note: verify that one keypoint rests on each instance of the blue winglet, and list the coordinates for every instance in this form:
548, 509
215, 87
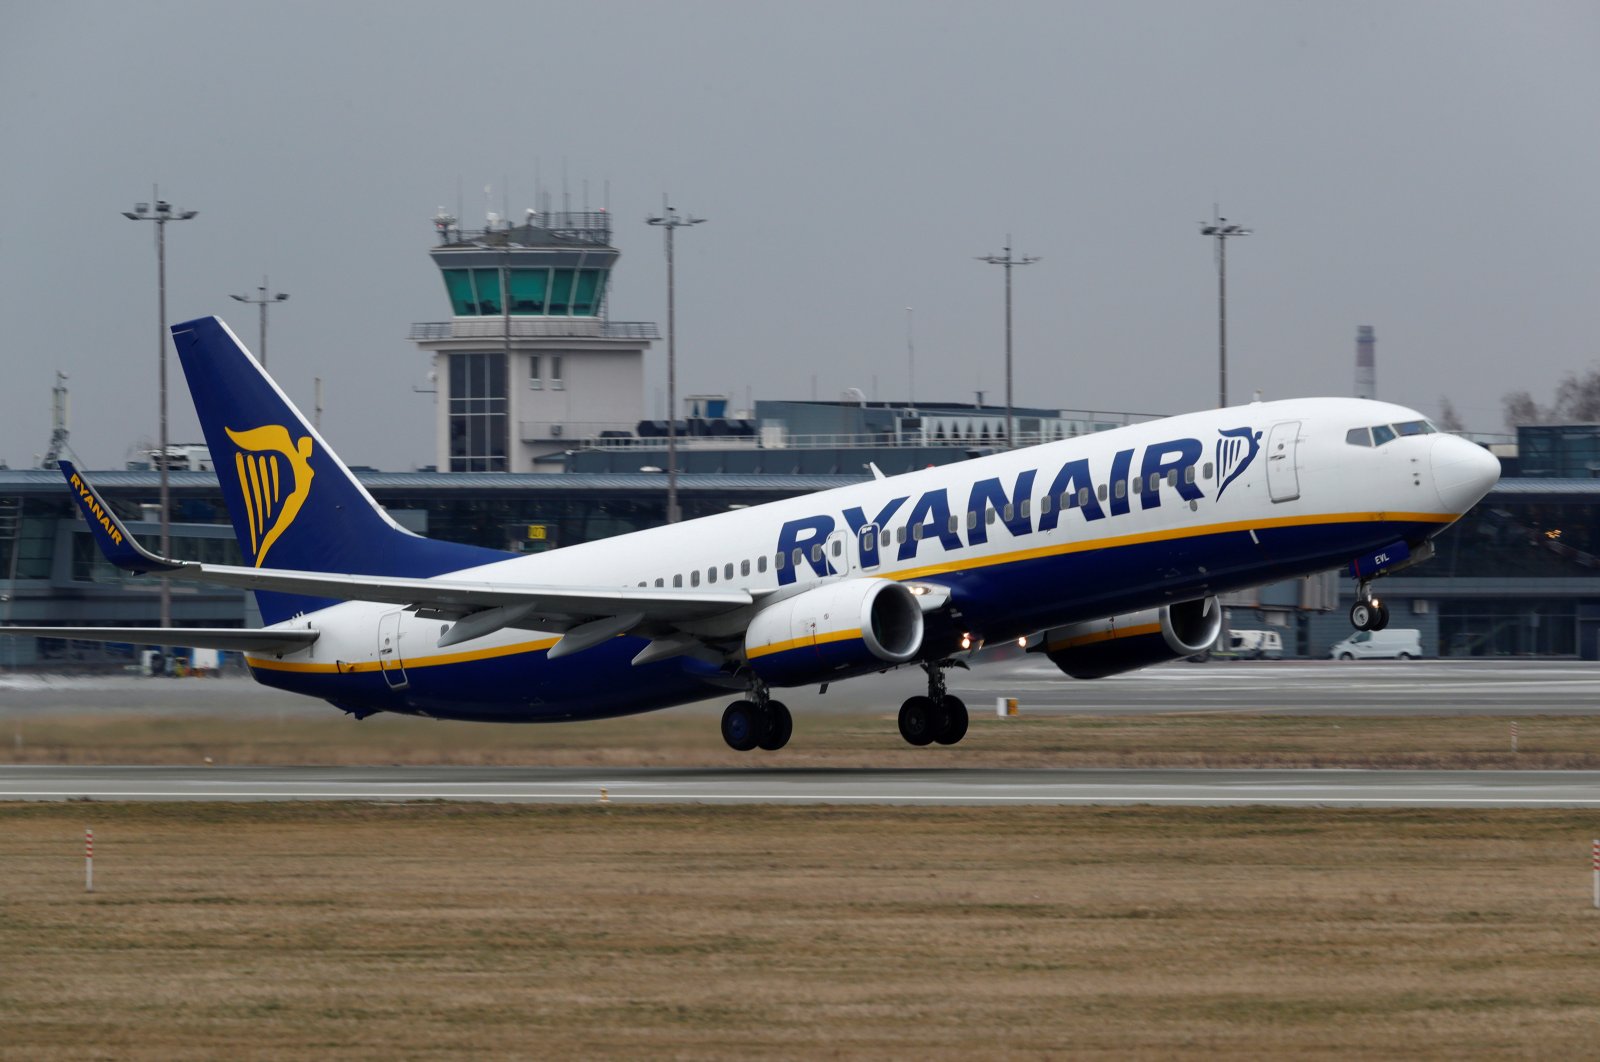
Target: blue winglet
114, 541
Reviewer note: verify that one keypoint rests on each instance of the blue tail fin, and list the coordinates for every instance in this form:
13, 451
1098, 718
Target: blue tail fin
294, 504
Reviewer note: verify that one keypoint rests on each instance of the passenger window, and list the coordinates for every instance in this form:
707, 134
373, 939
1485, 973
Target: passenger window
989, 515
1102, 492
661, 582
1358, 437
1044, 504
816, 553
1083, 496
1172, 478
711, 574
677, 580
972, 519
641, 582
955, 523
1022, 510
761, 563
1122, 488
1008, 512
1155, 480
694, 577
1382, 433
885, 538
777, 562
799, 556
1065, 501
1188, 474
838, 547
744, 567
900, 534
916, 533
727, 569
1205, 473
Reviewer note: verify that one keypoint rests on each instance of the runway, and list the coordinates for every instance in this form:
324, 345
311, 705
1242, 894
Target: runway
980, 787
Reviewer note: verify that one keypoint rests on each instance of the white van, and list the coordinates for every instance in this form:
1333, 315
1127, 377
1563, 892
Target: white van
1401, 644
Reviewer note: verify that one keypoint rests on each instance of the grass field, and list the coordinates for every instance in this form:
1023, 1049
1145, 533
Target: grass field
838, 739
361, 931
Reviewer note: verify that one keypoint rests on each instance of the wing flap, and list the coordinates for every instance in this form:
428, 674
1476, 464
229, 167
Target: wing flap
227, 638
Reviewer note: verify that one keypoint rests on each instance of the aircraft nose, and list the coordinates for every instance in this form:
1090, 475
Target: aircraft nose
1463, 472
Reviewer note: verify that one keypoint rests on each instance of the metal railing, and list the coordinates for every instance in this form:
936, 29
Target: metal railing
533, 328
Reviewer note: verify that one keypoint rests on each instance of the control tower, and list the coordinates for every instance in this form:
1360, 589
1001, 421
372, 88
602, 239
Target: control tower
528, 363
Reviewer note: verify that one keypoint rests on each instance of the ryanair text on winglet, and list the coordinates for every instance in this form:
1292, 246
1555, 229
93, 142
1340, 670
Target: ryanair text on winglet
92, 505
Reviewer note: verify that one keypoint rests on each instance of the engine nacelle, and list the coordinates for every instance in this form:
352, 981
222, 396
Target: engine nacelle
1123, 643
835, 630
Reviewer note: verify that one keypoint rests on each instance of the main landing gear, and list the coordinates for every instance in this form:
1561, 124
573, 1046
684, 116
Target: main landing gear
938, 717
760, 722
1368, 613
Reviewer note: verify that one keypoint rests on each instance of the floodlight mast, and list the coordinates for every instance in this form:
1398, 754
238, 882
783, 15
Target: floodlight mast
1008, 261
161, 213
263, 300
670, 222
1222, 230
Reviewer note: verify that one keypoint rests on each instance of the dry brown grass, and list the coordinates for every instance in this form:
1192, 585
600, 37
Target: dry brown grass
355, 931
690, 738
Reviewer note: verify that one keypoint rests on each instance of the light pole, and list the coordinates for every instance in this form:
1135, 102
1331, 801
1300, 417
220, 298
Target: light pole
1008, 261
161, 213
262, 300
670, 222
1221, 230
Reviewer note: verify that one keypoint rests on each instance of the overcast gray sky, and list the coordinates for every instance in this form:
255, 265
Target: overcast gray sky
1427, 168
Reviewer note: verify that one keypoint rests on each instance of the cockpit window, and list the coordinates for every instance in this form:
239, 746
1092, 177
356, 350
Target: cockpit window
1381, 433
1415, 427
1359, 436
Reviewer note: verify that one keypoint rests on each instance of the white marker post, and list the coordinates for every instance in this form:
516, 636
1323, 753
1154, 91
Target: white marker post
88, 860
1513, 735
1004, 706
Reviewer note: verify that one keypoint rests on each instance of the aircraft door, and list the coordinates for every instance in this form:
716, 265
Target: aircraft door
389, 661
836, 553
867, 547
1283, 478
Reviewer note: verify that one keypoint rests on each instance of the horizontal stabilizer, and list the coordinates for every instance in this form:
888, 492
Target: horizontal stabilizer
227, 638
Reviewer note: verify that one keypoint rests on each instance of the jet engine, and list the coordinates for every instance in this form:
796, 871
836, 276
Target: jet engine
833, 631
1098, 648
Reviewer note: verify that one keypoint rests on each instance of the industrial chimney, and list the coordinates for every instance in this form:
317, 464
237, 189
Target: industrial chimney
1366, 363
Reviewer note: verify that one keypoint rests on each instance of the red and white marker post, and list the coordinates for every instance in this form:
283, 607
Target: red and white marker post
1595, 862
88, 860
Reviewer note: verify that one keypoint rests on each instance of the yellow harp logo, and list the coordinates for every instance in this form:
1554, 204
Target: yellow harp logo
275, 479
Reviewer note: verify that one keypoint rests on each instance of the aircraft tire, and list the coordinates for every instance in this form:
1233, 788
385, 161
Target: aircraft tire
779, 727
742, 726
953, 727
919, 719
1361, 616
1382, 619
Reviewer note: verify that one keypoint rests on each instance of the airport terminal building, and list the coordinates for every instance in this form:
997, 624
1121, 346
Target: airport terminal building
541, 444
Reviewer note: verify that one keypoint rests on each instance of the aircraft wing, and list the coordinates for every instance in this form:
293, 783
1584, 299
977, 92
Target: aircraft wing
519, 604
228, 638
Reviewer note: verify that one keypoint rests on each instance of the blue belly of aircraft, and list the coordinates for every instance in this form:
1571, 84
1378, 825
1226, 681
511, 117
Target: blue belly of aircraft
997, 602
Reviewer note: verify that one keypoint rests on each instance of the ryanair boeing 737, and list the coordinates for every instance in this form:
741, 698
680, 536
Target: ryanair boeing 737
1103, 552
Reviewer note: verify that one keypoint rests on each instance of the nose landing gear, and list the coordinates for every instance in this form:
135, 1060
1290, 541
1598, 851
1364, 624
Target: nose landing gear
938, 717
1368, 613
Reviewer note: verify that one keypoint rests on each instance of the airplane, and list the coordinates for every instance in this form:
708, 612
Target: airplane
1104, 552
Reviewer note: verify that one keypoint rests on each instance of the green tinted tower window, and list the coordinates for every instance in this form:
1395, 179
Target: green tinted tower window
487, 281
586, 300
561, 293
458, 282
528, 289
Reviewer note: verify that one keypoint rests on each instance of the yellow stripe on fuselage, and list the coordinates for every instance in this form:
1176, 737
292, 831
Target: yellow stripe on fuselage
1167, 535
345, 667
